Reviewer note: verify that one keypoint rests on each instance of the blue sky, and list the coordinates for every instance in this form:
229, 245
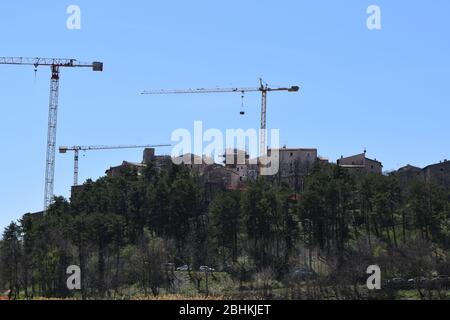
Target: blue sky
385, 90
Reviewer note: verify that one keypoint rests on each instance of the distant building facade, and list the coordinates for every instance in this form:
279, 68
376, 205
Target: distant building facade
294, 165
125, 167
233, 174
407, 174
149, 157
241, 168
438, 174
360, 164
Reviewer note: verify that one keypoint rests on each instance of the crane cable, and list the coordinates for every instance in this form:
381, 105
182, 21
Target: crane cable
243, 105
35, 72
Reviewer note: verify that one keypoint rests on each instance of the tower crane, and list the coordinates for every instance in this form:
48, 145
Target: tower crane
55, 64
263, 88
76, 150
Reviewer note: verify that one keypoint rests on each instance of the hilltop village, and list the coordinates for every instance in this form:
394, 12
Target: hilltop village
294, 165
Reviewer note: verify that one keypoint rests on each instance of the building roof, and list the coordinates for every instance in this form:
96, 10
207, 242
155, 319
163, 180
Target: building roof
134, 164
409, 167
362, 155
445, 163
294, 149
374, 160
127, 164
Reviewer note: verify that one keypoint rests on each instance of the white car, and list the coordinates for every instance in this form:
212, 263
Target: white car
183, 268
207, 269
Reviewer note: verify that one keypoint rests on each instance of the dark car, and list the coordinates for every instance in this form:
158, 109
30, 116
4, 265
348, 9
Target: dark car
398, 283
412, 283
303, 274
442, 281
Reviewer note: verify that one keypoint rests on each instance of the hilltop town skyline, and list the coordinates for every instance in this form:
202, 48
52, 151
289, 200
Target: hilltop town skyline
384, 90
235, 154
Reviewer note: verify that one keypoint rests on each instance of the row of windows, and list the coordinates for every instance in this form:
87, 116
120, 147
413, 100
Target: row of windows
307, 155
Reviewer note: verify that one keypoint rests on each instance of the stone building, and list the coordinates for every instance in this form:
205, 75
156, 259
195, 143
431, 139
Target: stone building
438, 174
237, 169
407, 174
194, 163
157, 161
241, 168
360, 164
233, 174
149, 156
294, 165
125, 167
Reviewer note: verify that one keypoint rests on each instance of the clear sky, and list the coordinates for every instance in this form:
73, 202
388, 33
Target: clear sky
385, 90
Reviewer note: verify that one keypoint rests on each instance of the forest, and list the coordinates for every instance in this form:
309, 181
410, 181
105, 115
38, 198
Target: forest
151, 235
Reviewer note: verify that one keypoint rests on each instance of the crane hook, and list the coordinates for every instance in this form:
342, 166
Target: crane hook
35, 71
242, 106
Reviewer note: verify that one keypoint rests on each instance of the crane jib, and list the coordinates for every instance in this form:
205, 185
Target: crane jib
63, 63
263, 88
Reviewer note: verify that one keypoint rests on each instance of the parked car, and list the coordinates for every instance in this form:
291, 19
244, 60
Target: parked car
412, 283
168, 266
422, 282
304, 274
445, 279
442, 281
397, 283
184, 268
207, 269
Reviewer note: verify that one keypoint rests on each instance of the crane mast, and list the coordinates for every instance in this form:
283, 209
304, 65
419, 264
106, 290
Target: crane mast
55, 64
263, 88
76, 150
262, 140
51, 138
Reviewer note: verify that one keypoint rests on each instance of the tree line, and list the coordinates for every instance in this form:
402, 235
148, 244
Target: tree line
130, 230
